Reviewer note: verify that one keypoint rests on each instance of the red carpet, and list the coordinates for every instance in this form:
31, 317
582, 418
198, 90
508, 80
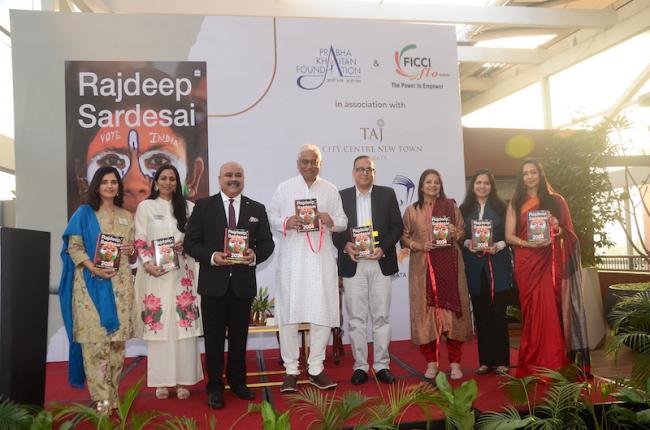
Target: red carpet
407, 364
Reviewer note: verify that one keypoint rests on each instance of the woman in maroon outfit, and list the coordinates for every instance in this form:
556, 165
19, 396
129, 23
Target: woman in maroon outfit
548, 275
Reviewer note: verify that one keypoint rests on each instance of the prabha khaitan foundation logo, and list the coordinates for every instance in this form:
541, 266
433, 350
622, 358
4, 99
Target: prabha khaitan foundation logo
414, 66
330, 65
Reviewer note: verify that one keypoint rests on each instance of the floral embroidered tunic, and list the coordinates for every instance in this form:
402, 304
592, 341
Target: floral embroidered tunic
169, 302
86, 327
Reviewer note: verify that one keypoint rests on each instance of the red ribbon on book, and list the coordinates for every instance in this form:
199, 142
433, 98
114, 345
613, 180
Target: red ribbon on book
491, 278
311, 246
432, 275
320, 239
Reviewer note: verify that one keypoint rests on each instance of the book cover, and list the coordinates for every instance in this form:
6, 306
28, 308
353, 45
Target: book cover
108, 251
538, 228
482, 234
164, 254
363, 240
235, 244
441, 231
306, 209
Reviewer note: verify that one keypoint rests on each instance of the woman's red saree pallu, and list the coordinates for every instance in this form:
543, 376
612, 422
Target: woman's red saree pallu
550, 293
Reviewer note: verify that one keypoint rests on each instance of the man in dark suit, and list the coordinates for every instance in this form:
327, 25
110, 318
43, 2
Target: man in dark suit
227, 289
367, 280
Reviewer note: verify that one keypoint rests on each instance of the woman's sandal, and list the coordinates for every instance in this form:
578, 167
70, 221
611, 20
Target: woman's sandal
162, 393
103, 407
482, 369
455, 373
182, 393
432, 370
502, 370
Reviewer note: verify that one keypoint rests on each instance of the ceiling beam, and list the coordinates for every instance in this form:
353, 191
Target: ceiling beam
508, 83
500, 55
413, 12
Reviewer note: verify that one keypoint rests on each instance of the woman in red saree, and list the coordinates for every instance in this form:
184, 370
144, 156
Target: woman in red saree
548, 275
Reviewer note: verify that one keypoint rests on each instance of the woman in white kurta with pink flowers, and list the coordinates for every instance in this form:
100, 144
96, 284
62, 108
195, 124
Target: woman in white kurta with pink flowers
167, 315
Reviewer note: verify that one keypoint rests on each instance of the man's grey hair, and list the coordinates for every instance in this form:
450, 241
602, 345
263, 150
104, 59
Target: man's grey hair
310, 147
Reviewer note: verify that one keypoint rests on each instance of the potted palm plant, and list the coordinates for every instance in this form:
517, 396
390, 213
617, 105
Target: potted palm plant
262, 307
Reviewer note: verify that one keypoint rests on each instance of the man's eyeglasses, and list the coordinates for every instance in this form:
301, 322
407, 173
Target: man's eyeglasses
368, 170
305, 162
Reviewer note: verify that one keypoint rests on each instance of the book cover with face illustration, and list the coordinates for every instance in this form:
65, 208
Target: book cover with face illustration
107, 251
235, 244
164, 253
482, 234
538, 228
363, 240
440, 226
307, 209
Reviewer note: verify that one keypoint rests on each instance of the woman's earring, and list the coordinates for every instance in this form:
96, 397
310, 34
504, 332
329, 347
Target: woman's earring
155, 187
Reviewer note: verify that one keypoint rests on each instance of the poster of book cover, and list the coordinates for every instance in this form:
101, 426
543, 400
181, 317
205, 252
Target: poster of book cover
307, 209
363, 240
164, 253
538, 228
235, 244
107, 251
482, 234
136, 116
440, 231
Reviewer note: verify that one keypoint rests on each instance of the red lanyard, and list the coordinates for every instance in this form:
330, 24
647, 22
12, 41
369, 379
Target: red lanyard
311, 246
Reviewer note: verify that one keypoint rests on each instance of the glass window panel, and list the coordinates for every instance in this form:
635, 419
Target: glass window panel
522, 109
595, 84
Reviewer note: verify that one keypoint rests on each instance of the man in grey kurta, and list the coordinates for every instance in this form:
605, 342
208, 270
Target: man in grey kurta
306, 277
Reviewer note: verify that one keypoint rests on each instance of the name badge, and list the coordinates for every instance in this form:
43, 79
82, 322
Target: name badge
158, 217
122, 221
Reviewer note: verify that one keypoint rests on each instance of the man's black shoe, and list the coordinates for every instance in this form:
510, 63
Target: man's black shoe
386, 376
243, 392
359, 377
215, 401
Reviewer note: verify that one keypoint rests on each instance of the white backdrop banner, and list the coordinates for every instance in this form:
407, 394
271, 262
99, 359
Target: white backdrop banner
351, 87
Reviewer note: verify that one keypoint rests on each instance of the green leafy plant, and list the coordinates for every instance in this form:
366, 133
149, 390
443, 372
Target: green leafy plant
456, 404
71, 416
566, 403
271, 419
575, 165
18, 417
387, 412
327, 411
630, 322
262, 307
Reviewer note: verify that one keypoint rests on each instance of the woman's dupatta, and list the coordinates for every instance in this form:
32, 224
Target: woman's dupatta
567, 250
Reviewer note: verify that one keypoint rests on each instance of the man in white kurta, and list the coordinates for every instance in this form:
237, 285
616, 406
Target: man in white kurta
307, 279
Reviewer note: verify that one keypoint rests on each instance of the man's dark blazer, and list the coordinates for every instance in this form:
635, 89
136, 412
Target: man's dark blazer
386, 220
205, 235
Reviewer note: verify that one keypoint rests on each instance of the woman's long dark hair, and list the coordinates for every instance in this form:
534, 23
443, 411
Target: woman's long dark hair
470, 203
544, 191
179, 205
423, 176
93, 198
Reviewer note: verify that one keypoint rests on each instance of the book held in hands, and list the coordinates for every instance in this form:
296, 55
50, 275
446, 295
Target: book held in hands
538, 226
306, 209
482, 234
108, 251
440, 225
235, 245
363, 240
164, 253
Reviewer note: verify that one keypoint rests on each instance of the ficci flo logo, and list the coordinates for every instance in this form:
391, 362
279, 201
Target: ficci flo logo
412, 67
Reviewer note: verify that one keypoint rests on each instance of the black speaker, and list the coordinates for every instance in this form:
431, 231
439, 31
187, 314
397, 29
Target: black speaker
24, 294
